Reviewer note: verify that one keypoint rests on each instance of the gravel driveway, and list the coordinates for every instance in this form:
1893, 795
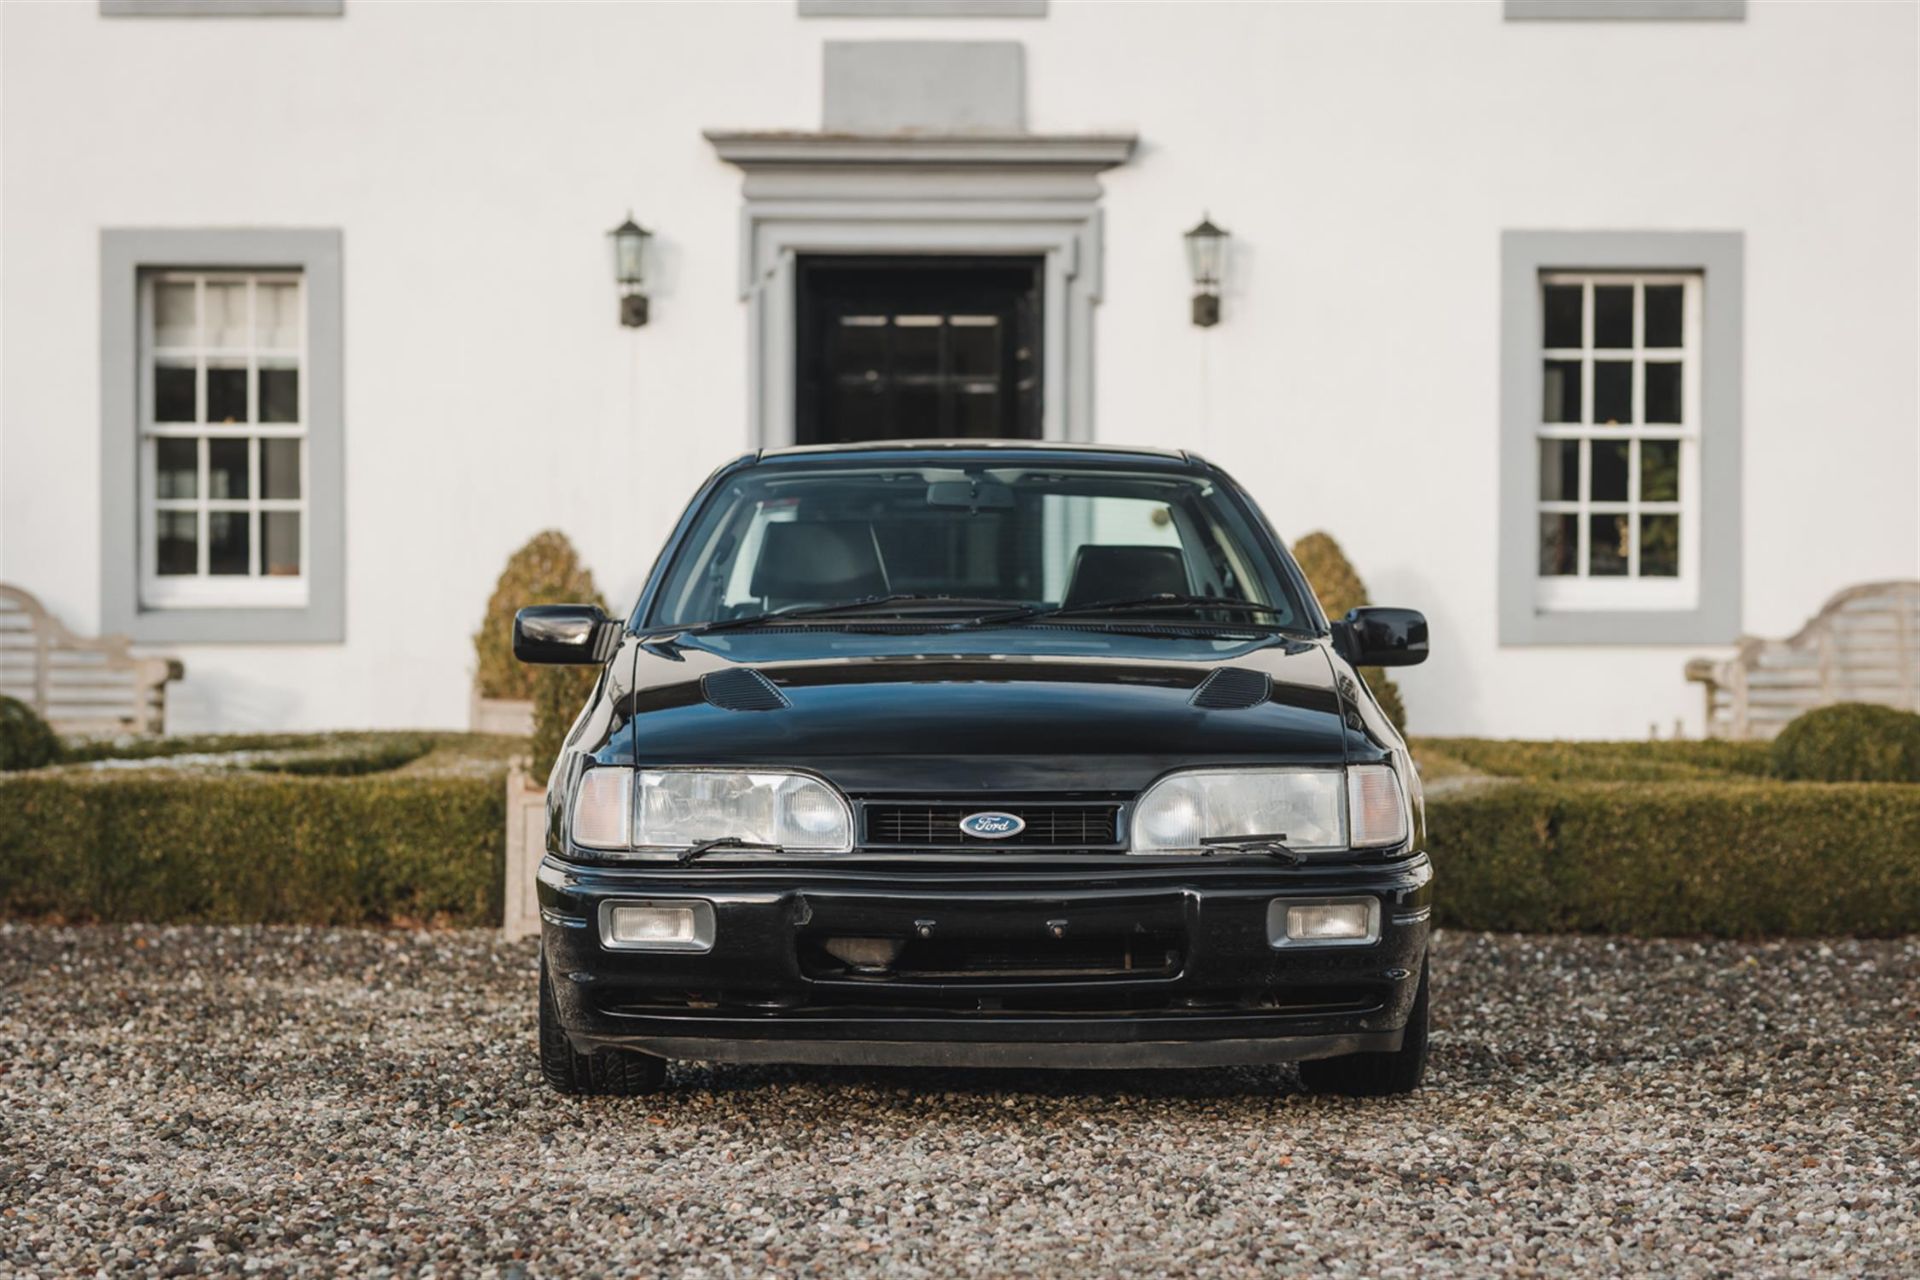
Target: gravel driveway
177, 1101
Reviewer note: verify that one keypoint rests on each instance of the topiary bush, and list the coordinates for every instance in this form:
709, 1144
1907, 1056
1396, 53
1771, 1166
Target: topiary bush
1339, 591
1849, 742
547, 570
558, 695
25, 740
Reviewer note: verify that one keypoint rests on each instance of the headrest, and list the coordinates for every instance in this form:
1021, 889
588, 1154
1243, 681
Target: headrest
818, 560
1123, 573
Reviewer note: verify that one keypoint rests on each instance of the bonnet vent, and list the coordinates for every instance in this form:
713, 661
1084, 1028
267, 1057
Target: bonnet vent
1233, 689
742, 689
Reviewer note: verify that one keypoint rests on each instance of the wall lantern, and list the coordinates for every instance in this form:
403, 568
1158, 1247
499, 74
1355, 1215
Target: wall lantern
1206, 261
629, 270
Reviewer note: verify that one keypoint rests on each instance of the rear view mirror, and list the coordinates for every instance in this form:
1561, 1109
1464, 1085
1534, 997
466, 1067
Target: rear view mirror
564, 634
1382, 637
972, 494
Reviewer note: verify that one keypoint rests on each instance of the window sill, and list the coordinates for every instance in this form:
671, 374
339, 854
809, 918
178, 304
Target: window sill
1613, 627
231, 624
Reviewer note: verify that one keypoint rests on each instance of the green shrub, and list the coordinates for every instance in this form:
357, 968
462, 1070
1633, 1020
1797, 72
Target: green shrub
1340, 591
547, 570
1724, 858
247, 847
1661, 760
26, 742
558, 695
1850, 742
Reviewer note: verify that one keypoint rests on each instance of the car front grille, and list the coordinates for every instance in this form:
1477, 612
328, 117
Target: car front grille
936, 825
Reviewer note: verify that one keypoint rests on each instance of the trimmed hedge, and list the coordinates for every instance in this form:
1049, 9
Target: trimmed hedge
1727, 859
251, 848
330, 842
1850, 742
1654, 760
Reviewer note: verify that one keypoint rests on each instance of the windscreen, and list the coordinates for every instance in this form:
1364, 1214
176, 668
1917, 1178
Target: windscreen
778, 538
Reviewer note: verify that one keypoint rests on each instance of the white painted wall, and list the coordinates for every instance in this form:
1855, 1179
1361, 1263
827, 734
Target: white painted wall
1366, 157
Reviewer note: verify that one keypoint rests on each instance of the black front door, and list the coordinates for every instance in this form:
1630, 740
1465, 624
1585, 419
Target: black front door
918, 348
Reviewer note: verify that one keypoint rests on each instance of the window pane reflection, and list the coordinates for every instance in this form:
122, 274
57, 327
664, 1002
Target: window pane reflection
1663, 391
173, 393
177, 468
280, 469
1561, 303
1660, 546
226, 393
1559, 545
1607, 547
1663, 318
227, 542
1660, 471
1561, 379
227, 469
179, 542
1612, 392
1613, 315
1610, 470
280, 543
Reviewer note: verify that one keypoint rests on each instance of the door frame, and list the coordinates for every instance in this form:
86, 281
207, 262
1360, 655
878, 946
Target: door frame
1029, 267
1029, 196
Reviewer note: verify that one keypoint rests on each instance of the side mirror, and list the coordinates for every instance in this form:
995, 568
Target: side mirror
564, 634
1382, 637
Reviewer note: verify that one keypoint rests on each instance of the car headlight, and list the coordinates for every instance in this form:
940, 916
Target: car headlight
678, 808
1309, 810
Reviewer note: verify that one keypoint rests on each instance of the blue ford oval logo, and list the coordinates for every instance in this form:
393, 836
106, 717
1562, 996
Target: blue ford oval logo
992, 826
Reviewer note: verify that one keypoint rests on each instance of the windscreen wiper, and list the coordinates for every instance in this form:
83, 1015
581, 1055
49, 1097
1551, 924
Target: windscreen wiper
864, 604
1274, 846
1163, 600
726, 842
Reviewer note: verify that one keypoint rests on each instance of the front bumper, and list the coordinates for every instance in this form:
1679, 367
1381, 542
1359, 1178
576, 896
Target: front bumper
1119, 966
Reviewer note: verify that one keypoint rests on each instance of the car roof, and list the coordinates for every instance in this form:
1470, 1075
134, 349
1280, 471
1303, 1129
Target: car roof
1036, 448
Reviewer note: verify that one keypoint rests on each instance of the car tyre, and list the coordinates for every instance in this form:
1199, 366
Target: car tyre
1376, 1075
604, 1072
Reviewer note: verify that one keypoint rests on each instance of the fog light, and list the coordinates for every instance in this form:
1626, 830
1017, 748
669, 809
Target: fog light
1323, 922
657, 926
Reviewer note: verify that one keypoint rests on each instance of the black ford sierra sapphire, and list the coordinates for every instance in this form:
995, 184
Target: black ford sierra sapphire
966, 754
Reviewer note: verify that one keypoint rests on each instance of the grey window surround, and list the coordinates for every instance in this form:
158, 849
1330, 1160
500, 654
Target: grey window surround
1719, 256
904, 194
124, 255
222, 8
923, 8
1627, 10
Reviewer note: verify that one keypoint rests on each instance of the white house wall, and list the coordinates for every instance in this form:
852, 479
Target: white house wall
1366, 158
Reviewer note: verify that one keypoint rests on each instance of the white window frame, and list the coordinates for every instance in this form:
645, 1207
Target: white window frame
203, 590
1629, 591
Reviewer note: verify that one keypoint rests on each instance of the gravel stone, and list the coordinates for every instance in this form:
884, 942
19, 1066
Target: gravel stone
253, 1101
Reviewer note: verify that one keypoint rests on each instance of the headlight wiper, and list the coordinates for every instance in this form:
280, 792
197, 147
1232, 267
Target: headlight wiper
726, 842
1274, 846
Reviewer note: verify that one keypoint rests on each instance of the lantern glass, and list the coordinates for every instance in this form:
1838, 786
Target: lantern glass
1206, 254
629, 252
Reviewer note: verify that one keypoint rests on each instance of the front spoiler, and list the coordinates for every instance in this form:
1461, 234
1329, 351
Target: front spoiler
960, 1053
